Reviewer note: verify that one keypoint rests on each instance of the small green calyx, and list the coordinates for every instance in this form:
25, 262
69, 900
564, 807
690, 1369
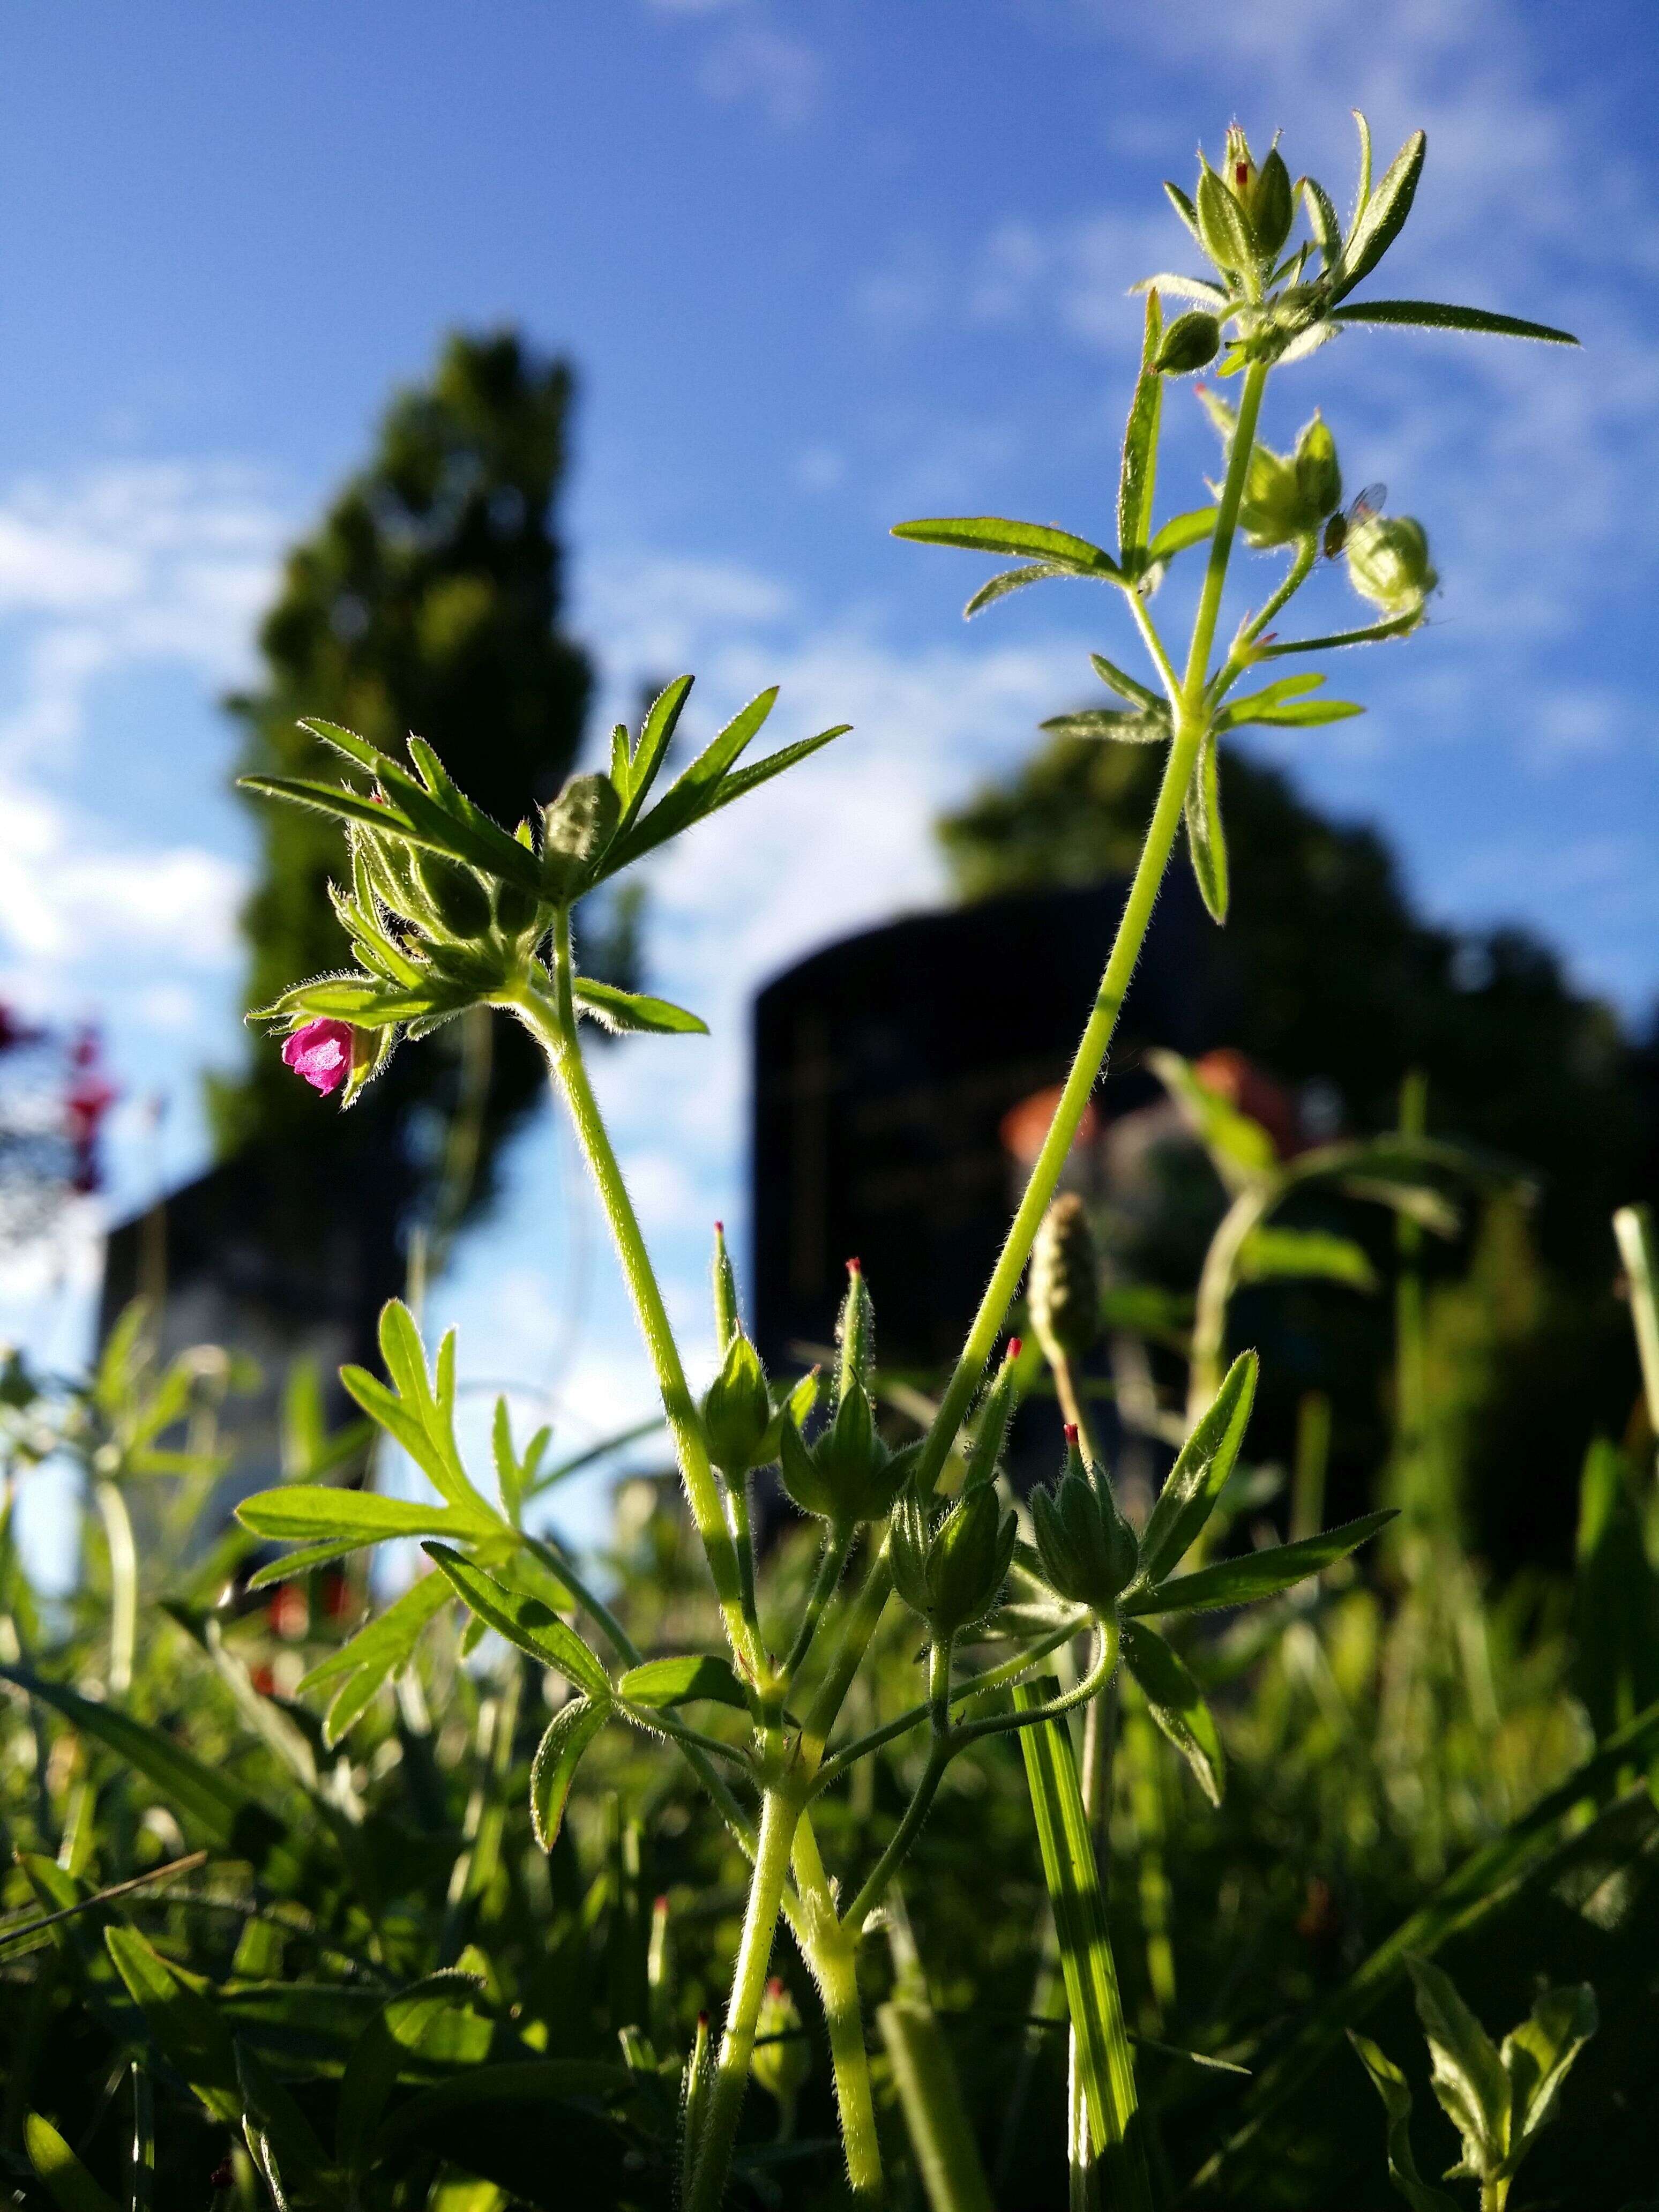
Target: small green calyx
576, 828
1063, 1291
1192, 342
1088, 1550
951, 1574
1388, 562
855, 1333
847, 1474
737, 1410
1288, 497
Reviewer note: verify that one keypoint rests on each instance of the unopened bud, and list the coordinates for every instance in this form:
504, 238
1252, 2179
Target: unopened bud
738, 1412
855, 1333
991, 1430
783, 2057
1318, 474
575, 829
726, 1291
1087, 1549
1063, 1294
1192, 342
953, 1574
1388, 562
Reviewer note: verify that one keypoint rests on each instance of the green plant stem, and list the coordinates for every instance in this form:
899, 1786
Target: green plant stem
837, 1544
1634, 1227
779, 1815
993, 1678
1154, 644
1307, 552
123, 1583
555, 1029
831, 1956
1190, 723
939, 1755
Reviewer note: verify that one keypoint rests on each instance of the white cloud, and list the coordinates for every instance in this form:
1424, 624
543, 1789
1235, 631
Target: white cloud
782, 76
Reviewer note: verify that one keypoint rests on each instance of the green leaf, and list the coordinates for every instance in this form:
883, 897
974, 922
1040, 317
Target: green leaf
1151, 728
185, 2025
218, 1807
1468, 2076
384, 2048
1362, 192
522, 1621
1176, 1703
344, 998
631, 1010
307, 1512
72, 2188
1010, 580
381, 1649
678, 1681
1184, 208
1198, 289
1240, 1148
539, 1481
1391, 2085
742, 780
1138, 472
1286, 715
1126, 686
1435, 315
1271, 1255
279, 2133
1383, 214
656, 735
1179, 532
1537, 2057
559, 1755
1104, 2063
1322, 221
991, 533
1260, 1574
688, 797
343, 805
1196, 1481
1206, 840
283, 1569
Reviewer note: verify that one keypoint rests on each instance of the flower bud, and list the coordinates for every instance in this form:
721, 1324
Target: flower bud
455, 894
1088, 1550
576, 827
738, 1412
847, 1474
1318, 474
1271, 205
783, 2057
1191, 342
1224, 228
320, 1052
1063, 1292
991, 1430
953, 1574
1388, 562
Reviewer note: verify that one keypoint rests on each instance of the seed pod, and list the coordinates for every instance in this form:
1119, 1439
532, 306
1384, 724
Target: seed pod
953, 1574
1388, 562
1088, 1550
1063, 1292
736, 1412
1191, 342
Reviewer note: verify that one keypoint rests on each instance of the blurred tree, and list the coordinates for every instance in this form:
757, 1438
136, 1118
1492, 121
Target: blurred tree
427, 600
1325, 975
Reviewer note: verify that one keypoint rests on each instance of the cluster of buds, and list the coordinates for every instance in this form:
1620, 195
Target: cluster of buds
1088, 1551
847, 1474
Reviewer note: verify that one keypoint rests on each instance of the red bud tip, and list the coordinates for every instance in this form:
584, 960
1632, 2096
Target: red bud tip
1240, 175
854, 1267
702, 2021
659, 1904
1268, 637
1015, 1347
774, 1987
1071, 1432
719, 1229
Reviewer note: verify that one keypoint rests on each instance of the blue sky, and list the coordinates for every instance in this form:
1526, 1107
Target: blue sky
822, 265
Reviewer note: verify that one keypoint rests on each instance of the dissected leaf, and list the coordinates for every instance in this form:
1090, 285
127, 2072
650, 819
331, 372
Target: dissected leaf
1260, 1574
559, 1755
1391, 2085
524, 1620
679, 1681
1176, 1703
994, 534
304, 1512
1196, 1480
382, 1647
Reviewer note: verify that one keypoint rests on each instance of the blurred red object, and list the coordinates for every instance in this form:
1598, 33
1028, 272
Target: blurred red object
1237, 1079
1023, 1127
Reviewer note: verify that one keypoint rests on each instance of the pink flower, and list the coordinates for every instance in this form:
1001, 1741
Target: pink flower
321, 1052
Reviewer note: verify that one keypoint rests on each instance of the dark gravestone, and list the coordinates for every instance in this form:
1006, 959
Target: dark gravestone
277, 1259
885, 1068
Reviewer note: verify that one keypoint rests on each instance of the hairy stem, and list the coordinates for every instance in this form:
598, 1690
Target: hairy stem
555, 1029
779, 1815
831, 1956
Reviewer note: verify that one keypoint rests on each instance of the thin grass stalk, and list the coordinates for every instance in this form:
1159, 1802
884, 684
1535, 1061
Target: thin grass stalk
930, 2097
123, 1584
1640, 1250
1105, 2061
